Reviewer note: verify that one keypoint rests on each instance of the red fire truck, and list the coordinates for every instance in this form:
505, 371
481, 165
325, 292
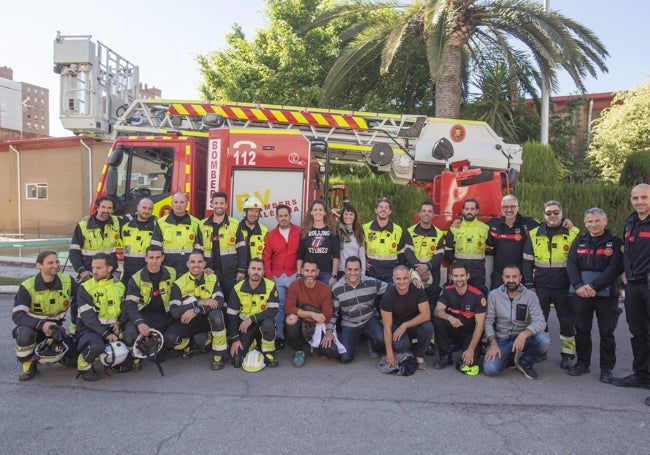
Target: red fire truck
278, 153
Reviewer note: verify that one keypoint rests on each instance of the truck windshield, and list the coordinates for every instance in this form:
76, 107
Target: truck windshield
145, 172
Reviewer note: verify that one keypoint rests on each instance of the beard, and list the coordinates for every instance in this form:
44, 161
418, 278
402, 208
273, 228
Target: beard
512, 286
468, 217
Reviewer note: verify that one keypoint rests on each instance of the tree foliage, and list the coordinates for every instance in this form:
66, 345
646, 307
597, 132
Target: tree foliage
636, 169
284, 65
452, 30
622, 128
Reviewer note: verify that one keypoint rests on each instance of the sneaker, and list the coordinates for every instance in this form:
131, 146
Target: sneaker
442, 362
421, 363
299, 359
632, 380
279, 344
90, 375
217, 362
28, 370
566, 362
578, 369
529, 372
269, 360
606, 376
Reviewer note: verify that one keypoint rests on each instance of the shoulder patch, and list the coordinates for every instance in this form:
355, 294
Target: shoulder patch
483, 301
275, 294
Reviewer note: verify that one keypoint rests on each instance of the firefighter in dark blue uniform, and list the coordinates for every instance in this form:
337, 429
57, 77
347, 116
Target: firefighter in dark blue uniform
636, 263
594, 264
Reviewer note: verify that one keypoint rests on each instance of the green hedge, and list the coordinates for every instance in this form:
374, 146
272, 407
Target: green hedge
575, 199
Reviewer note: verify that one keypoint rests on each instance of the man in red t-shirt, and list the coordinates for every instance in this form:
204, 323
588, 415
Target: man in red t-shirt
308, 303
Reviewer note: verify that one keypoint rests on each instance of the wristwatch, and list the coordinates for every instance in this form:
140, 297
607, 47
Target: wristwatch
198, 309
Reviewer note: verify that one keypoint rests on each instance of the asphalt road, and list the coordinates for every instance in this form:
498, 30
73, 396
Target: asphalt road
323, 407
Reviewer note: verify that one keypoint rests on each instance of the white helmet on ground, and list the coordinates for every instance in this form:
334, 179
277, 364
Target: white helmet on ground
50, 351
114, 354
148, 346
253, 362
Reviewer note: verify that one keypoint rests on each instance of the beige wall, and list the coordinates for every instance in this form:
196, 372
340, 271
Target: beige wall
62, 164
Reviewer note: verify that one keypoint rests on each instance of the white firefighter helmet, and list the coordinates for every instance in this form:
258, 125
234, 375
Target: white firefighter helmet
253, 362
50, 351
148, 346
252, 203
114, 354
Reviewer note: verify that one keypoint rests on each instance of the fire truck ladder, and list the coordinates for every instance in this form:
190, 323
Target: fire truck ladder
350, 135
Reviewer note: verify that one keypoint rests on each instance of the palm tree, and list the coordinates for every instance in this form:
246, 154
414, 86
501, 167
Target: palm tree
452, 30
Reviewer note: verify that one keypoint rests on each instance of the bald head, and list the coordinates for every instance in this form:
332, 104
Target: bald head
640, 199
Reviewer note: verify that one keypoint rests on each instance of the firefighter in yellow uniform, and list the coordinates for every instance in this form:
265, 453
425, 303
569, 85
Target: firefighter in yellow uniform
146, 303
197, 306
181, 234
545, 258
253, 232
223, 245
99, 309
252, 307
137, 233
466, 242
40, 307
386, 243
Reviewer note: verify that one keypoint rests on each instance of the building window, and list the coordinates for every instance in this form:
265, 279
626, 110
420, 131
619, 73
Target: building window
36, 191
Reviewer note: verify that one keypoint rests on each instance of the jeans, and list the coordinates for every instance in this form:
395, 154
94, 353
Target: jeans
282, 283
423, 334
534, 347
372, 328
325, 277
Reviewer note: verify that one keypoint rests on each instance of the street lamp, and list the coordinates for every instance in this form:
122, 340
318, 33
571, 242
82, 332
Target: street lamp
545, 100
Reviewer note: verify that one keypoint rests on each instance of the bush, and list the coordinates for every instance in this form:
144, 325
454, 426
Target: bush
540, 166
636, 169
575, 199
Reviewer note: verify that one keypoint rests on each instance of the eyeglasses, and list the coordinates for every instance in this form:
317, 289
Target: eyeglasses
552, 212
509, 207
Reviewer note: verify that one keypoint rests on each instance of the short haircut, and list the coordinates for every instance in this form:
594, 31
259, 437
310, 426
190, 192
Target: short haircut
549, 203
427, 203
384, 199
512, 266
103, 257
352, 259
42, 255
400, 268
218, 194
260, 260
595, 211
154, 248
310, 261
195, 251
471, 200
282, 206
510, 197
99, 201
459, 265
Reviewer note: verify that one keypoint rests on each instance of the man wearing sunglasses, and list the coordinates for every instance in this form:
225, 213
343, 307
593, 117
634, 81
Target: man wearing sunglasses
545, 258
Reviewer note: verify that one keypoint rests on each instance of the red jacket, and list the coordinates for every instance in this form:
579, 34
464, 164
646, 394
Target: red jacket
279, 255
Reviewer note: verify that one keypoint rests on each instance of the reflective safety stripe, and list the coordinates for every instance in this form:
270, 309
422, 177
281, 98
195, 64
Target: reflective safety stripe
23, 352
38, 316
469, 256
108, 320
549, 265
382, 258
208, 254
94, 252
134, 255
177, 251
528, 257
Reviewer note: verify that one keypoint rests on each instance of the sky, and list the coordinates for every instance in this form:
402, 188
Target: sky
164, 37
